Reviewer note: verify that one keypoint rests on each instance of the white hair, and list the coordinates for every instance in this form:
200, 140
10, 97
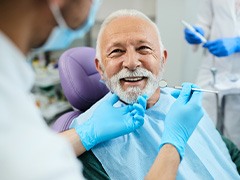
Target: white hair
124, 13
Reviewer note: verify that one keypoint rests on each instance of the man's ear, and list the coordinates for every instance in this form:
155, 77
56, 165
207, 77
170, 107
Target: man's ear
99, 67
165, 54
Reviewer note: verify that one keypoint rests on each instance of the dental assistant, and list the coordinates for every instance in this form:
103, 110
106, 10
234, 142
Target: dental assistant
219, 22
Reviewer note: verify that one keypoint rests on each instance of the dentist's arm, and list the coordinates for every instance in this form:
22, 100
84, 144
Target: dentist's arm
72, 136
165, 165
107, 122
180, 122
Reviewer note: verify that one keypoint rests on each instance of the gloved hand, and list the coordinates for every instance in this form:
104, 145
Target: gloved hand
108, 122
191, 38
223, 47
182, 118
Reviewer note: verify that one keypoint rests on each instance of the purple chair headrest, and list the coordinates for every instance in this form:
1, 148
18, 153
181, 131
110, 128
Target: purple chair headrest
79, 77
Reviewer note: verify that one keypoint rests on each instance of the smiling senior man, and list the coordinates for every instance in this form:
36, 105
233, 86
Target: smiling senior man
130, 58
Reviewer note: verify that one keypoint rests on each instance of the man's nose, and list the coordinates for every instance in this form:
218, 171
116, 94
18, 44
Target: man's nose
131, 60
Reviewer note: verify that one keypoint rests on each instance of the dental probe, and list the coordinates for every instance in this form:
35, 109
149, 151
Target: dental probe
198, 89
163, 84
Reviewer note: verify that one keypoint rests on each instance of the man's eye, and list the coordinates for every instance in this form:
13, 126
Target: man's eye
116, 51
144, 48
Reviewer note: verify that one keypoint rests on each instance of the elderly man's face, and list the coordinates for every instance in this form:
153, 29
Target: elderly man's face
131, 58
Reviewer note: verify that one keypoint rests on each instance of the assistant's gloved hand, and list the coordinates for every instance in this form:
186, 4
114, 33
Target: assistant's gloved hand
108, 122
191, 38
223, 47
182, 118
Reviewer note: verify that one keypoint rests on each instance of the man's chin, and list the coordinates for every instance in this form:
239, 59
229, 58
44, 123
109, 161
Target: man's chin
129, 97
127, 100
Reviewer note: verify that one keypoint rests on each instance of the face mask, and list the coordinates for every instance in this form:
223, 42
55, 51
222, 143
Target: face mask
62, 36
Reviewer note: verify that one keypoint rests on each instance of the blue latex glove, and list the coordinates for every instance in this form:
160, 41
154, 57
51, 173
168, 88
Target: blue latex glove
182, 118
108, 122
223, 47
191, 38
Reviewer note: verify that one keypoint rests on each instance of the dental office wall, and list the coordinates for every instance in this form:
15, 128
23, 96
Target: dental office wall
183, 64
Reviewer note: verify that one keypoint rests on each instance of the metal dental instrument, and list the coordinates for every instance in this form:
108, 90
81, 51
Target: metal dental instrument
191, 28
198, 89
163, 84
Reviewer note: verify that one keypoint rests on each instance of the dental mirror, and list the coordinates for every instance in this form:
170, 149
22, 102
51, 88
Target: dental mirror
163, 83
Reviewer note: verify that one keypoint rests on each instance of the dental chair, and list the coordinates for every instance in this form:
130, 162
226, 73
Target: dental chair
80, 83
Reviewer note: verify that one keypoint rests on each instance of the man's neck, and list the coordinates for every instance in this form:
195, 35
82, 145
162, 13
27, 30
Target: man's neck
153, 99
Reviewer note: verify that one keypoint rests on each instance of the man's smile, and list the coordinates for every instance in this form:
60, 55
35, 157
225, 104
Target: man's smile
133, 79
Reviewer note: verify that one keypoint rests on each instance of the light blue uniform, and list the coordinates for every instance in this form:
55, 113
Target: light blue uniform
131, 156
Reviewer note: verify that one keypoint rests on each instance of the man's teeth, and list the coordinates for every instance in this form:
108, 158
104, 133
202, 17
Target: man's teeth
133, 78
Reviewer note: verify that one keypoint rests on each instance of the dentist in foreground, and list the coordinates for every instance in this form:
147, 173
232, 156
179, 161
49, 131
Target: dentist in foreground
29, 149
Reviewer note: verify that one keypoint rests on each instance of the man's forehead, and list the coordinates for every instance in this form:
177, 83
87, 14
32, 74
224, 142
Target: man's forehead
119, 42
128, 21
128, 27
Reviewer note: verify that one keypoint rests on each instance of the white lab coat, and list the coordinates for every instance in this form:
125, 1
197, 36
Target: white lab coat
220, 19
28, 148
